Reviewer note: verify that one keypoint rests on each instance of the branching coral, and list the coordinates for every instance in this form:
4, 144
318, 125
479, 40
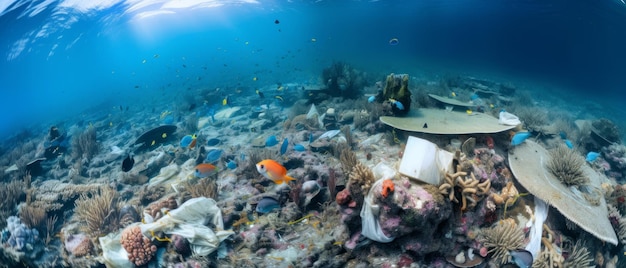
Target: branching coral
32, 216
85, 144
507, 196
472, 190
360, 182
501, 239
567, 166
204, 187
447, 188
549, 256
11, 193
98, 212
579, 257
348, 160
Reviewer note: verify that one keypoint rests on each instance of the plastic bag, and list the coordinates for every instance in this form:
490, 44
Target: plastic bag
113, 254
369, 218
189, 221
508, 119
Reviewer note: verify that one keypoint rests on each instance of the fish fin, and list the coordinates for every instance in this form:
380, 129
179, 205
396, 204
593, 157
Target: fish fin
288, 178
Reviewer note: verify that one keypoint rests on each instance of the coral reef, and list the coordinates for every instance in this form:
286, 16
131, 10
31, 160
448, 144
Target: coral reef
502, 238
550, 255
566, 165
606, 130
140, 249
21, 237
615, 156
204, 187
32, 216
84, 144
361, 179
507, 196
343, 80
579, 257
11, 193
157, 209
414, 214
98, 212
618, 222
472, 190
78, 245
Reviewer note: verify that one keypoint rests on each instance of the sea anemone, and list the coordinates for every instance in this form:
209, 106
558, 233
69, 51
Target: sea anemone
502, 238
566, 165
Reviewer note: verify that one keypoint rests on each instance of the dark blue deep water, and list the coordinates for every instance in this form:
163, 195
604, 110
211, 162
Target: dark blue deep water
60, 58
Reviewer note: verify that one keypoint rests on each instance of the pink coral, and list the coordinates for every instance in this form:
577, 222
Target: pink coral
140, 249
78, 245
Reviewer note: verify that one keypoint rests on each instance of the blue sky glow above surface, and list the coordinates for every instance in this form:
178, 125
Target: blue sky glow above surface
62, 57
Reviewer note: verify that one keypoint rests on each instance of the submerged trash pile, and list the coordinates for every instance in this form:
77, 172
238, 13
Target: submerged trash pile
446, 175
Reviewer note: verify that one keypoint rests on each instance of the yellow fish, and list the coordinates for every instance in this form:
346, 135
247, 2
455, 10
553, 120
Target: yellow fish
164, 135
453, 94
254, 78
469, 111
225, 101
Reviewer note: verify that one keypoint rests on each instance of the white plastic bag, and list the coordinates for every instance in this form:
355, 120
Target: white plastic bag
369, 217
508, 119
113, 254
189, 221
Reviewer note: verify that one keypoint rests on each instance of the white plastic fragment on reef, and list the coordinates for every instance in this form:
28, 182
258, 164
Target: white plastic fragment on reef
424, 161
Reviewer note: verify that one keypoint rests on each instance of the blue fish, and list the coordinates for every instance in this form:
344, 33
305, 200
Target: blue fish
186, 140
569, 144
520, 137
168, 120
213, 142
284, 146
398, 104
592, 156
267, 204
231, 164
299, 148
213, 156
311, 139
271, 141
563, 135
522, 258
371, 99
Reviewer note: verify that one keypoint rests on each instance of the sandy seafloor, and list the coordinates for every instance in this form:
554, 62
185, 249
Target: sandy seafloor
80, 195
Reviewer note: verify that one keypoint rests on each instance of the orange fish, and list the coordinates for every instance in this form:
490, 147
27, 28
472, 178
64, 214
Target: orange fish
204, 170
273, 171
388, 187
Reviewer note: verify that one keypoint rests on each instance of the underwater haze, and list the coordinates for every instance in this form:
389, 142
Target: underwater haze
60, 58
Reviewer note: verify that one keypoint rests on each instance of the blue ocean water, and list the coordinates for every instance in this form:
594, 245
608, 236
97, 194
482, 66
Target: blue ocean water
60, 58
